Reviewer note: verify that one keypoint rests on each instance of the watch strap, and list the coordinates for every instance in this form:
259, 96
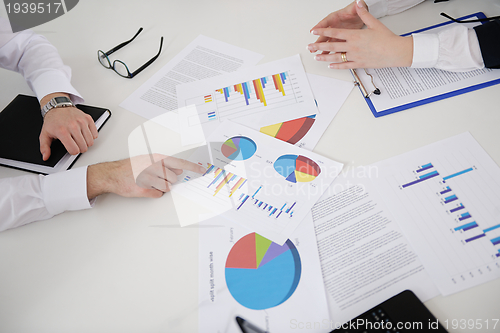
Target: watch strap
61, 102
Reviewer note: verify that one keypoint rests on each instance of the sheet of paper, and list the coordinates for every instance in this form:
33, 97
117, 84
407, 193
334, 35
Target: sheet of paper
401, 85
266, 94
446, 198
264, 184
330, 94
277, 288
364, 256
202, 58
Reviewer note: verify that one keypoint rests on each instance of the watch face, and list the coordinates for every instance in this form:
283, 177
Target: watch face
62, 99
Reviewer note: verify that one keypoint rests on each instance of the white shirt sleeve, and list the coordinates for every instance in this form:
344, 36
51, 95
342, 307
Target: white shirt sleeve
381, 8
31, 198
452, 49
37, 60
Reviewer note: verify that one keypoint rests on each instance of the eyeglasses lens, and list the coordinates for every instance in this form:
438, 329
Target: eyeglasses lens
120, 68
103, 59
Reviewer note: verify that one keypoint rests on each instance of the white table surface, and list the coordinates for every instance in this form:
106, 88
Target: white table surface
125, 265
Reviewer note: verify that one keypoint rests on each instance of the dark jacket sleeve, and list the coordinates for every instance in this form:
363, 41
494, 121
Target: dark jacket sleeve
488, 36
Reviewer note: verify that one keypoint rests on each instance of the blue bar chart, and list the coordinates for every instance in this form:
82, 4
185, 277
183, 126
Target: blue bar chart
422, 177
450, 198
227, 183
447, 197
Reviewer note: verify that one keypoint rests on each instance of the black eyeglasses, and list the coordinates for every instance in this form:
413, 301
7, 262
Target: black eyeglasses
119, 66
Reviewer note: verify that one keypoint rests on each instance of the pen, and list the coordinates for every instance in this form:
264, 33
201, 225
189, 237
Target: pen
247, 327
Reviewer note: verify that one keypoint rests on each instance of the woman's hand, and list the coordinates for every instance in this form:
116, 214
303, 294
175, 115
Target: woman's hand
373, 47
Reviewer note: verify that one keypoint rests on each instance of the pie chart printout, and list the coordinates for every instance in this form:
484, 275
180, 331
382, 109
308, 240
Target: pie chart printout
239, 148
291, 131
297, 168
261, 274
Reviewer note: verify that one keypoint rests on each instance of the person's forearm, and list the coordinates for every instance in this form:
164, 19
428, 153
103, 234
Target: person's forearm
100, 178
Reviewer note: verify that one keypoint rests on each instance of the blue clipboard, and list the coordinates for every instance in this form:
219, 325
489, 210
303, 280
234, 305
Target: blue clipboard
398, 108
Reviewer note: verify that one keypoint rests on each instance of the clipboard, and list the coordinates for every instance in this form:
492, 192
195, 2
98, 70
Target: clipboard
435, 98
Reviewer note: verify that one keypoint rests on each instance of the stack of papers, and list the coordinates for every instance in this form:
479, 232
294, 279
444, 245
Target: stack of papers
287, 241
255, 129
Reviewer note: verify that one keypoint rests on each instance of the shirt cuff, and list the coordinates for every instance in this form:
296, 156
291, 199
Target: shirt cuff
65, 191
459, 50
52, 82
425, 50
377, 8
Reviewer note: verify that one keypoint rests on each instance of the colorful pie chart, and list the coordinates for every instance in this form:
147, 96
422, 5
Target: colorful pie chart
261, 274
291, 131
297, 168
239, 148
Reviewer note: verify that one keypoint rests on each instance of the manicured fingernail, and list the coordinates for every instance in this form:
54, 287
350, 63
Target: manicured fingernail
314, 32
202, 169
311, 48
317, 58
330, 66
358, 2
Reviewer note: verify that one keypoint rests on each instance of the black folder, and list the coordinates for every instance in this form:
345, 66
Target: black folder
20, 126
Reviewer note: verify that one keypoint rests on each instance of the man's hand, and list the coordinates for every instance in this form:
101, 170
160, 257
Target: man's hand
74, 128
141, 176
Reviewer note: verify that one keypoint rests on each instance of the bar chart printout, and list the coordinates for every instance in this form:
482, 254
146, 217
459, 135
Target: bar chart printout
231, 183
266, 90
246, 98
449, 204
271, 93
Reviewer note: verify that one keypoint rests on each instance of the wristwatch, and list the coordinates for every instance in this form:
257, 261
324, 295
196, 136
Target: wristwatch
57, 102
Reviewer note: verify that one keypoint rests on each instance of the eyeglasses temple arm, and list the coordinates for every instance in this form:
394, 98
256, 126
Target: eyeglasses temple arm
149, 62
116, 48
469, 21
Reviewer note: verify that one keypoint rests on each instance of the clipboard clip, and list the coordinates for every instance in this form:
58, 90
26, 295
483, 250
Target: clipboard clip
357, 82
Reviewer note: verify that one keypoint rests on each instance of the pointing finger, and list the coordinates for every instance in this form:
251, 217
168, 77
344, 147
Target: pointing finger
177, 163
